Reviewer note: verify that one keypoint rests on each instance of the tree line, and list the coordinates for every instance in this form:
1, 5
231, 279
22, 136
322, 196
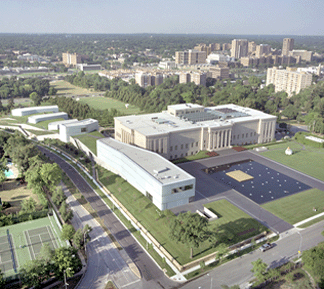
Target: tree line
14, 87
80, 110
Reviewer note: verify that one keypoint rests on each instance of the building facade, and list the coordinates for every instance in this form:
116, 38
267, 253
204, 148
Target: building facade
186, 129
42, 117
33, 110
240, 48
163, 183
190, 57
77, 128
219, 72
71, 58
199, 78
287, 46
288, 80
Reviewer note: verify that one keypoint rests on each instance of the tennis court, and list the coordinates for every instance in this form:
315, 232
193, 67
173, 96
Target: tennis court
8, 259
36, 238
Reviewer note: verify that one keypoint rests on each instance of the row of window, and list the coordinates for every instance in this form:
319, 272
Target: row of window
182, 146
181, 189
246, 135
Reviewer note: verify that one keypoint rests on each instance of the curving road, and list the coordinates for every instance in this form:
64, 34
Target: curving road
152, 276
238, 271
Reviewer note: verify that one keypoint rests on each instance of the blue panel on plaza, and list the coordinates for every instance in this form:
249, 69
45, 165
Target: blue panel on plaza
267, 184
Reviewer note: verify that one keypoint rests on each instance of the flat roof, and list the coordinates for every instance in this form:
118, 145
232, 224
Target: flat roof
63, 121
36, 108
164, 122
58, 114
154, 164
184, 106
81, 122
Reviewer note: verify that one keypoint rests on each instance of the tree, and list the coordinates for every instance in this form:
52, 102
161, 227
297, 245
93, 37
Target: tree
2, 177
2, 280
28, 205
67, 232
190, 229
78, 239
314, 261
34, 272
46, 253
51, 175
65, 213
58, 196
35, 98
66, 260
259, 269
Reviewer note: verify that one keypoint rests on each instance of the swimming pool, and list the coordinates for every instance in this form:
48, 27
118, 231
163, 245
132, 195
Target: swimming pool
9, 173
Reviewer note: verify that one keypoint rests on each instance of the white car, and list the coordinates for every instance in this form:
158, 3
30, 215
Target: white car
266, 247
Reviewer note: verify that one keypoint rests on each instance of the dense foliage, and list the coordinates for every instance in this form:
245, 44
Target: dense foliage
19, 87
80, 110
89, 80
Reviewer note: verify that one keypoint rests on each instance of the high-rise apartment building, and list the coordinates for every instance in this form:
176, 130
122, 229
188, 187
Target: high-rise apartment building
215, 46
147, 79
251, 47
226, 46
288, 45
240, 48
203, 47
219, 72
199, 78
71, 59
288, 80
190, 57
304, 54
262, 49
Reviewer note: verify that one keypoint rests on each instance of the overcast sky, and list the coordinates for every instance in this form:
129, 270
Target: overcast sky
286, 17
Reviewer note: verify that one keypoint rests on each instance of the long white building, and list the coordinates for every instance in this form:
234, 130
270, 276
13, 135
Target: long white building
186, 129
42, 117
33, 110
165, 184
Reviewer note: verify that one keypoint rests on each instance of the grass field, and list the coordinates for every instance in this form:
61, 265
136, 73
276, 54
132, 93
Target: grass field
90, 140
147, 214
15, 194
23, 119
233, 221
65, 88
101, 102
20, 244
304, 159
297, 207
198, 156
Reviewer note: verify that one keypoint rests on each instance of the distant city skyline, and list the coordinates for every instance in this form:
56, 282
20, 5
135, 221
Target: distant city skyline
233, 17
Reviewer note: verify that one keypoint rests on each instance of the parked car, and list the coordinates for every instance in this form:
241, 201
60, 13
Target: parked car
266, 247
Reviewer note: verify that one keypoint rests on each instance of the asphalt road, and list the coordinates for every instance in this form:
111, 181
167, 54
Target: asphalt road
238, 271
100, 249
152, 276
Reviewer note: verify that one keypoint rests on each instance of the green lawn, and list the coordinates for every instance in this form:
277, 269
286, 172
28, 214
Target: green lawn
101, 102
308, 160
233, 221
65, 88
19, 239
42, 124
90, 140
297, 207
147, 214
198, 156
